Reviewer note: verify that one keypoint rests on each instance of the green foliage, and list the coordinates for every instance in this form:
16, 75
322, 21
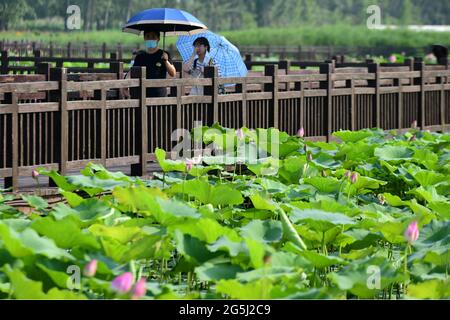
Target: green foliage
283, 228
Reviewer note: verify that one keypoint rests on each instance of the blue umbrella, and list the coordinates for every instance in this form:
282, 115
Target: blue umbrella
168, 20
223, 52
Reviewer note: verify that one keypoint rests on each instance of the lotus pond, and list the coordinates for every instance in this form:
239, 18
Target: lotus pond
364, 218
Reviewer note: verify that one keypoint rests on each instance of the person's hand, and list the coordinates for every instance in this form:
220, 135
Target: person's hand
165, 56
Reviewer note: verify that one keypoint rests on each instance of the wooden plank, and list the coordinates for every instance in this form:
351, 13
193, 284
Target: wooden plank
141, 126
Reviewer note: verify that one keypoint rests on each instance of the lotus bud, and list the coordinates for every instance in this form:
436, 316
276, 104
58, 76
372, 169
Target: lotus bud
90, 269
354, 177
412, 232
123, 283
392, 59
240, 134
301, 132
139, 289
347, 174
414, 124
413, 138
189, 164
35, 174
309, 157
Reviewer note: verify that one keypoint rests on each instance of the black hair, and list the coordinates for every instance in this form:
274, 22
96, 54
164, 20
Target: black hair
441, 53
157, 33
202, 41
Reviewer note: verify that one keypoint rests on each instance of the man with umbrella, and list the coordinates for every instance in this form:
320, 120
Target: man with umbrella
151, 22
157, 61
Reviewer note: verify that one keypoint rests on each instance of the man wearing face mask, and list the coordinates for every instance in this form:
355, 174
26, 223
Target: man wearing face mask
157, 61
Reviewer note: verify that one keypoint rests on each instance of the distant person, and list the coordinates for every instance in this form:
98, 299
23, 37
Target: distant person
200, 59
158, 62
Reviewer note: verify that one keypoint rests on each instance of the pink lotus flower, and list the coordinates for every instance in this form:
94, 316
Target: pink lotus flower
393, 59
301, 132
90, 269
430, 58
412, 232
189, 164
122, 283
240, 134
194, 161
35, 174
139, 289
354, 177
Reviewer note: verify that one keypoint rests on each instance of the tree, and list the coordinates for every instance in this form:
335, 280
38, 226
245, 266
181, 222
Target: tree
11, 11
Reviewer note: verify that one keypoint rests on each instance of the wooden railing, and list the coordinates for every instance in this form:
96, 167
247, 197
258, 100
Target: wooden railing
84, 49
61, 121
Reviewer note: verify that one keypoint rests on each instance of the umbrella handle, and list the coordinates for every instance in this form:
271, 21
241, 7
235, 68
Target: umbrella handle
164, 41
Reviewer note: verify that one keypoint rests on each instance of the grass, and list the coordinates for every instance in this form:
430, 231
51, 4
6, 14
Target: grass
333, 35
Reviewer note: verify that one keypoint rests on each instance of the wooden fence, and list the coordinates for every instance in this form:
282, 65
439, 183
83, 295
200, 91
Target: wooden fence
26, 48
61, 121
10, 64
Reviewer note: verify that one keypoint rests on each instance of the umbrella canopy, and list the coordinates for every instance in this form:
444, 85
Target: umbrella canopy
167, 20
224, 53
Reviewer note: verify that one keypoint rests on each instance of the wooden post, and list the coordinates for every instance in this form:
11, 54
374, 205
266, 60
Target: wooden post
326, 68
420, 66
62, 126
37, 58
117, 68
272, 71
113, 56
179, 68
5, 62
351, 85
120, 50
69, 49
141, 128
248, 61
213, 91
13, 181
442, 81
86, 50
51, 50
299, 53
398, 83
375, 69
284, 65
101, 96
103, 50
242, 89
